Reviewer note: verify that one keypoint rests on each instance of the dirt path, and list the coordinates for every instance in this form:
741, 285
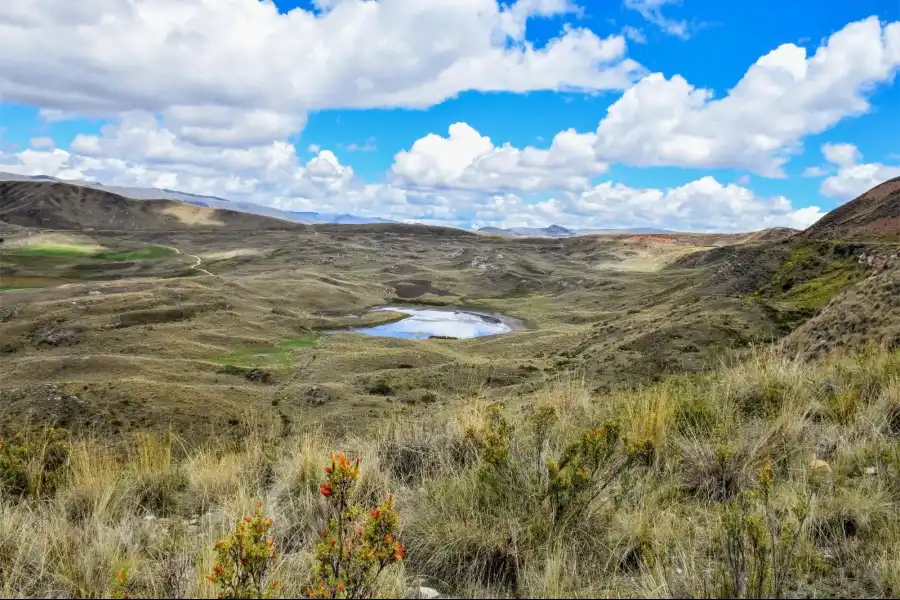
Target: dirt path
196, 265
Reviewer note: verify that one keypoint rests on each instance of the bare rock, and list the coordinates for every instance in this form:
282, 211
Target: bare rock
422, 592
317, 396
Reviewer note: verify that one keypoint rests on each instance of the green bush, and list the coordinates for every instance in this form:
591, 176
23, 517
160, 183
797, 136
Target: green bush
34, 467
244, 558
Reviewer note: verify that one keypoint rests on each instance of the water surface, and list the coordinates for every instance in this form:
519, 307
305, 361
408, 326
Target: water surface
423, 323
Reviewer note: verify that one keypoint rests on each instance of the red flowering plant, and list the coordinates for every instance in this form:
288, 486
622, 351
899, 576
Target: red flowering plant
356, 546
244, 558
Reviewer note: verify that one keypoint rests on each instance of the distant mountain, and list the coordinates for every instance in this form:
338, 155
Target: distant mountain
141, 193
339, 219
558, 231
56, 205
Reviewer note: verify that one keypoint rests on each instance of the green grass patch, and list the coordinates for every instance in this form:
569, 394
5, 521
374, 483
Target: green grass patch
77, 251
6, 288
142, 254
811, 277
307, 341
816, 292
278, 355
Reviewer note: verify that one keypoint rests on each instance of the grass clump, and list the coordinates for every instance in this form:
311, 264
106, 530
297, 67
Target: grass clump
34, 466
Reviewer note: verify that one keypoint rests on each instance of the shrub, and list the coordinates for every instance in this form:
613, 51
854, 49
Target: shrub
354, 549
34, 467
582, 472
244, 558
757, 543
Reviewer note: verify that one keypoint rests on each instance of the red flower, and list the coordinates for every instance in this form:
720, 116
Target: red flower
329, 469
376, 513
400, 552
326, 489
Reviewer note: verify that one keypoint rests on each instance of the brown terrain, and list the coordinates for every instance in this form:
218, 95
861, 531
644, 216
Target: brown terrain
53, 205
875, 214
148, 316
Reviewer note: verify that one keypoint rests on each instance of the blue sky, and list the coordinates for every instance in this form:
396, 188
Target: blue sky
241, 100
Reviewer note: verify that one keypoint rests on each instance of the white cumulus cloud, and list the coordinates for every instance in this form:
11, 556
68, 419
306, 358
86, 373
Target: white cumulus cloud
467, 160
234, 72
783, 97
853, 178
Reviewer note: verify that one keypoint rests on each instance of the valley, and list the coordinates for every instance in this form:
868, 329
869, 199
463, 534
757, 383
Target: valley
207, 360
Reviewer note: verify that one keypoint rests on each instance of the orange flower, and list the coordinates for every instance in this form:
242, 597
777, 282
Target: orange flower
400, 552
326, 489
219, 570
247, 519
376, 513
329, 469
340, 586
268, 522
388, 539
122, 575
210, 578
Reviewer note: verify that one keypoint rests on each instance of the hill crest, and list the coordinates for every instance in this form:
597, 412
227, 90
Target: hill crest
874, 214
63, 206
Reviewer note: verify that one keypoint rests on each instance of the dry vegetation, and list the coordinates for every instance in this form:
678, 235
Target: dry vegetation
768, 477
639, 438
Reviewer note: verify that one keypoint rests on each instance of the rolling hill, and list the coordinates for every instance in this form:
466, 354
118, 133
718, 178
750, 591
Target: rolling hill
55, 205
145, 193
875, 214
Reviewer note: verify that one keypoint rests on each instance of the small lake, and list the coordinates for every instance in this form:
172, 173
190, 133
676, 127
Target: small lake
423, 323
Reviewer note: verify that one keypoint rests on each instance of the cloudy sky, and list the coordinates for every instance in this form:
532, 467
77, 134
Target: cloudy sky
693, 115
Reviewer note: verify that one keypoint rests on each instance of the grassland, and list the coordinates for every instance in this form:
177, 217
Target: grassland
131, 337
198, 373
808, 452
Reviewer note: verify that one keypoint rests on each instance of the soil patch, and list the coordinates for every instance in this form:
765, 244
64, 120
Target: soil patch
413, 288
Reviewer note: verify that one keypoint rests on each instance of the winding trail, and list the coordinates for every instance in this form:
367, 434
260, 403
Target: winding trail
196, 265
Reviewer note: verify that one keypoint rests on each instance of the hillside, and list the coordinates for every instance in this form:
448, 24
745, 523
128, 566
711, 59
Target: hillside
54, 205
144, 193
875, 214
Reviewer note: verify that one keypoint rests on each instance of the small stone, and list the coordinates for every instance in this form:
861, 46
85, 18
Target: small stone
149, 518
871, 471
422, 592
95, 293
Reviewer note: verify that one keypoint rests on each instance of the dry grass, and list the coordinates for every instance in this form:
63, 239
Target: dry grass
651, 530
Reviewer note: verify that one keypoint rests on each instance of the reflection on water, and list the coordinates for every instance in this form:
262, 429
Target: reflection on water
426, 322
